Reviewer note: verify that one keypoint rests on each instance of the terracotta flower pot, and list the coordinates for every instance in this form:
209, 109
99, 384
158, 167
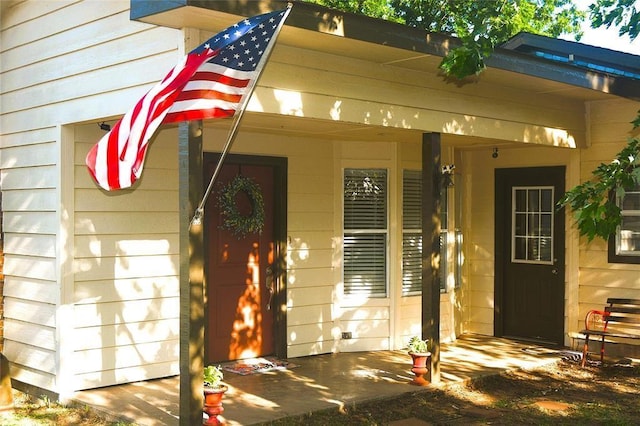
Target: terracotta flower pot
213, 404
420, 368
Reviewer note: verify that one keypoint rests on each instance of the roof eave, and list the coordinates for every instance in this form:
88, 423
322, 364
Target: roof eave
524, 64
312, 17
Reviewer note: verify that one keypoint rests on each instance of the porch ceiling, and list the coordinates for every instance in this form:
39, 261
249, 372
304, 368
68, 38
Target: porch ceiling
335, 130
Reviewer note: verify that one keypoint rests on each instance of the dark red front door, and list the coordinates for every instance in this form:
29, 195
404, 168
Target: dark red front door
239, 268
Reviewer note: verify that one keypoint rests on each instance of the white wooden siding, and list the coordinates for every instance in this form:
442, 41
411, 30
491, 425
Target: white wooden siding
126, 274
610, 127
30, 225
83, 55
65, 62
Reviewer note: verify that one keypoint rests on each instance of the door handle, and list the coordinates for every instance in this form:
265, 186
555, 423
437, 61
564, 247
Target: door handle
554, 271
270, 286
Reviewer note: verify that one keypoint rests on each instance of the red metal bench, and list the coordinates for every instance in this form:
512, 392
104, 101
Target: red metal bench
620, 319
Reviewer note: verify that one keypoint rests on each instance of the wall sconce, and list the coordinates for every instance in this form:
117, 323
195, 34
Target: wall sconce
104, 126
495, 153
447, 175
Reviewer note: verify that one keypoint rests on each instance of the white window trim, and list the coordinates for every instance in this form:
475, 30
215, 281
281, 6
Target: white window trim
513, 225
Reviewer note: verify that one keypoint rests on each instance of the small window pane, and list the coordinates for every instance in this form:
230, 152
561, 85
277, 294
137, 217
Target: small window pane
532, 249
631, 201
545, 248
546, 201
534, 201
412, 199
365, 199
545, 224
444, 209
520, 224
520, 248
629, 235
520, 200
459, 258
444, 259
411, 263
365, 271
532, 225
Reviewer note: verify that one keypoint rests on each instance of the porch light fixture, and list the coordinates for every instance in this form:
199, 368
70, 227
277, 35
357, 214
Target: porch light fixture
495, 153
104, 126
447, 175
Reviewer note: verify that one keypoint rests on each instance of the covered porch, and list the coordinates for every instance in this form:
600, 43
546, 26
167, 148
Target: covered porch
320, 382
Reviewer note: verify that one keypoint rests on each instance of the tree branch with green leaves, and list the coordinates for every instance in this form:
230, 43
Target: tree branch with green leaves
479, 25
623, 14
483, 25
595, 203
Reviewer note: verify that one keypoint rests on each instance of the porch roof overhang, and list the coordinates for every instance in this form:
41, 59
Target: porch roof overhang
314, 27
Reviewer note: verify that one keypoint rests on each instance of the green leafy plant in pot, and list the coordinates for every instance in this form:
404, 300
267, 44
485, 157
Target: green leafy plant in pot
214, 390
418, 346
419, 351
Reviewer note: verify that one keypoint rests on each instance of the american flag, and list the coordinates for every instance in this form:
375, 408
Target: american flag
209, 82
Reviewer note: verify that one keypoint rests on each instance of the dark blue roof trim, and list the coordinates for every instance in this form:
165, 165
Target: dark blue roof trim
142, 8
579, 55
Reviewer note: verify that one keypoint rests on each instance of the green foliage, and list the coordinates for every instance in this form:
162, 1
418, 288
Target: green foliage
213, 376
463, 62
480, 25
375, 8
624, 14
417, 345
594, 202
234, 220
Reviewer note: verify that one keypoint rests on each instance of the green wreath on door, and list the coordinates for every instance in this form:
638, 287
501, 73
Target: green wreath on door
233, 220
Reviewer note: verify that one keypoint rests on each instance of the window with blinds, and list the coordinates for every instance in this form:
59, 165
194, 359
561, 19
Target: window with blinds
365, 232
412, 234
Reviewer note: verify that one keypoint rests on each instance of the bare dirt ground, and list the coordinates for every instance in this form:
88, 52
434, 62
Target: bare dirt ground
558, 394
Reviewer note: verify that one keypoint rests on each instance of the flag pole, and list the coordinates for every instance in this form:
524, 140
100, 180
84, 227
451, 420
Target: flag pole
199, 212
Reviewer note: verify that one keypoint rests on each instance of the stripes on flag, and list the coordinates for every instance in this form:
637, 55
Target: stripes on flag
210, 94
209, 82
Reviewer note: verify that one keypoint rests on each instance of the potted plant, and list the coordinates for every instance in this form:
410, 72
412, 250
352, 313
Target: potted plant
214, 389
418, 346
419, 352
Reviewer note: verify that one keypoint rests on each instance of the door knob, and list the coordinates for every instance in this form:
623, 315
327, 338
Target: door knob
270, 286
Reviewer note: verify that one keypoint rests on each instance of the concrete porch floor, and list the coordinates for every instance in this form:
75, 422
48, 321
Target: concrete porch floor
319, 382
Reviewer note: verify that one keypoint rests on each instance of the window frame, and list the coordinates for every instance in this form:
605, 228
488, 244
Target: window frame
614, 255
368, 231
410, 232
528, 214
444, 237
